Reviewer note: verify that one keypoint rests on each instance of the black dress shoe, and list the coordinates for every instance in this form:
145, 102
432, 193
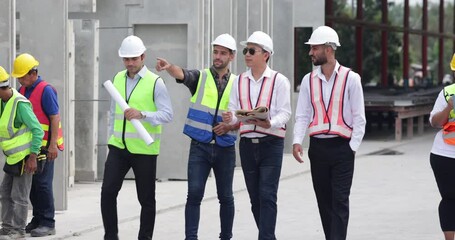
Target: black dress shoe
42, 231
30, 226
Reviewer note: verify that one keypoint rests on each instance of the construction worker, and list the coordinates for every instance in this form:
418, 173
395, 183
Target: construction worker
20, 141
331, 107
262, 140
442, 157
149, 102
45, 106
212, 141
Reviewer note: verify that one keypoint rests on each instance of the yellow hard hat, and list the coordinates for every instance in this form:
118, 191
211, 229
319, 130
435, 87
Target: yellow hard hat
23, 64
4, 76
452, 63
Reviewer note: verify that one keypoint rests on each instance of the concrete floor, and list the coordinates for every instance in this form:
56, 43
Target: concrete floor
393, 197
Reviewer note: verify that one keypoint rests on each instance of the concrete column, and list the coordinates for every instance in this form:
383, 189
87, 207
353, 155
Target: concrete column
44, 35
86, 105
8, 36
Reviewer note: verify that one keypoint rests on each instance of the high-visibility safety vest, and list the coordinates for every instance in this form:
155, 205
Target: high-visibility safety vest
448, 130
15, 142
141, 98
329, 121
35, 98
264, 100
205, 111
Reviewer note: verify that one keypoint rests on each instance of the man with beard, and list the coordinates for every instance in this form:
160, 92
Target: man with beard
330, 106
212, 141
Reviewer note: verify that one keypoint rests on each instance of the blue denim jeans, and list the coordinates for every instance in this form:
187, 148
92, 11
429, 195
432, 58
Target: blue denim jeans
261, 165
42, 196
204, 157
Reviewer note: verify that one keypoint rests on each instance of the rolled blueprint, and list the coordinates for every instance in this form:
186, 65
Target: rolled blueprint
123, 105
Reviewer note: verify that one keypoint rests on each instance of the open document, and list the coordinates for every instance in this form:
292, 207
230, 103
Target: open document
257, 113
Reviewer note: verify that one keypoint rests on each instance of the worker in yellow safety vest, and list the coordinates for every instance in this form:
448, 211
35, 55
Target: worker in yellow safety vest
448, 130
148, 102
20, 140
442, 156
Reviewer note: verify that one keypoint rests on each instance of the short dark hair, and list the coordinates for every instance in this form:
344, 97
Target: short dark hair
33, 70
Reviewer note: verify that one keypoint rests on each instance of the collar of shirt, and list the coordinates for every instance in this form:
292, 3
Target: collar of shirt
216, 76
322, 76
267, 73
132, 82
140, 74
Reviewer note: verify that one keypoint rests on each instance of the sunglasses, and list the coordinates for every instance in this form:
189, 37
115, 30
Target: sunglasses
251, 51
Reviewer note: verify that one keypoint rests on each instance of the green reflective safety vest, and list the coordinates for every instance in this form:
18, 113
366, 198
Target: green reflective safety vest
15, 142
141, 98
448, 130
205, 111
448, 92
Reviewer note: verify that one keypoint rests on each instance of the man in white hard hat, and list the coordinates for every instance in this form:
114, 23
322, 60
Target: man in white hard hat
212, 141
150, 103
330, 107
262, 140
20, 140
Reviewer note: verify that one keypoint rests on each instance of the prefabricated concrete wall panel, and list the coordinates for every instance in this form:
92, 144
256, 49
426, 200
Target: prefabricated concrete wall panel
82, 6
170, 41
283, 57
204, 20
86, 98
44, 35
8, 33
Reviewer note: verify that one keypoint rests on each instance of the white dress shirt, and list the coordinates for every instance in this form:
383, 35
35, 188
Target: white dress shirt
162, 100
280, 107
353, 108
439, 146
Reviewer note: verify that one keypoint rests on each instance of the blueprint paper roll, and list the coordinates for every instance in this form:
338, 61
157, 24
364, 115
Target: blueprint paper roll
123, 105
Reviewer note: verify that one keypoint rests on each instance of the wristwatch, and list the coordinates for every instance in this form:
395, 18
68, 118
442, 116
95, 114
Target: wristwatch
144, 114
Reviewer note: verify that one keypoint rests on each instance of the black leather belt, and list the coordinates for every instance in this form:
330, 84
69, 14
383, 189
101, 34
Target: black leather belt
262, 139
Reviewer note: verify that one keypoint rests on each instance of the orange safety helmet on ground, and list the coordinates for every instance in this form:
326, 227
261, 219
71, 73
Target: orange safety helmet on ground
23, 64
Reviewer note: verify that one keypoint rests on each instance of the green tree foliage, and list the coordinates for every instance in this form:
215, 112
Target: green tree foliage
371, 60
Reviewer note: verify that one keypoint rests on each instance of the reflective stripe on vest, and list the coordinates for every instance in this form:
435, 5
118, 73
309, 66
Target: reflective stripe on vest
264, 100
448, 130
15, 142
141, 98
36, 99
329, 121
205, 105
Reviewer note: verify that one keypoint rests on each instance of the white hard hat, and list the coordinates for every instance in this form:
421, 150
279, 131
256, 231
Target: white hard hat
225, 40
262, 39
323, 35
132, 46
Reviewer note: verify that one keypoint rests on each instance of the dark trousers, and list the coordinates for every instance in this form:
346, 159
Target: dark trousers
261, 165
443, 169
42, 196
204, 157
118, 162
332, 168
